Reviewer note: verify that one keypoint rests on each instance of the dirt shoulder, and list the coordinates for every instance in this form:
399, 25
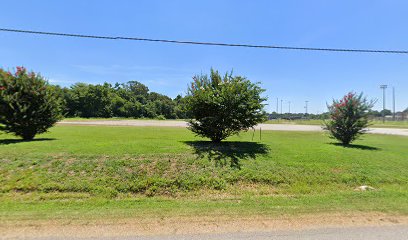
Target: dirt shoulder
189, 225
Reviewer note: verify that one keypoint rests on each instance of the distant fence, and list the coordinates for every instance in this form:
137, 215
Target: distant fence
389, 118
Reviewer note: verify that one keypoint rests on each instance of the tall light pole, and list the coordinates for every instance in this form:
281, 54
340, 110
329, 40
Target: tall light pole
277, 107
393, 103
383, 87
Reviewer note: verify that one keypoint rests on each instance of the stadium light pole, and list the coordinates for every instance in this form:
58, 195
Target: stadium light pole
393, 103
306, 109
383, 87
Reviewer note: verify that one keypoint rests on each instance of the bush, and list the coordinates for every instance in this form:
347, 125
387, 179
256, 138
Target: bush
223, 106
161, 117
348, 117
28, 105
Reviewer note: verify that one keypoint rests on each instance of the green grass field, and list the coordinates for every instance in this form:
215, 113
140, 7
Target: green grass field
94, 171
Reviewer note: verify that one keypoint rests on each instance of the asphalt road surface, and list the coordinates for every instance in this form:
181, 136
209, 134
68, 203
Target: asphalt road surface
275, 127
399, 232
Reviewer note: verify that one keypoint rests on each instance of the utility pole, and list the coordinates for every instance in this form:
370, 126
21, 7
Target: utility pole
393, 103
277, 103
383, 87
306, 109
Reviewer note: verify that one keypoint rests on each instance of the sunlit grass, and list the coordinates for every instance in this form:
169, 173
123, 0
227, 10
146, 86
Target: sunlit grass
98, 170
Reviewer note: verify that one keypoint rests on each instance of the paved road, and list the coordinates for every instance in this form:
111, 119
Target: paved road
350, 233
275, 127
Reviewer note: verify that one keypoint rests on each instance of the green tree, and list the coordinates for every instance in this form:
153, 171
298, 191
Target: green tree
150, 110
223, 106
74, 99
385, 112
163, 105
137, 88
374, 113
124, 108
89, 100
180, 107
28, 104
348, 117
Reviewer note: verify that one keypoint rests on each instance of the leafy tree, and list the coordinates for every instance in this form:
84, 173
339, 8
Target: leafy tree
386, 112
133, 91
223, 106
131, 99
28, 104
180, 107
374, 113
349, 117
98, 101
92, 100
137, 88
74, 99
123, 108
150, 110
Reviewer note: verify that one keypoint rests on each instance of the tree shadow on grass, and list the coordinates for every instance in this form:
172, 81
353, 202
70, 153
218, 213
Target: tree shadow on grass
356, 146
228, 152
15, 141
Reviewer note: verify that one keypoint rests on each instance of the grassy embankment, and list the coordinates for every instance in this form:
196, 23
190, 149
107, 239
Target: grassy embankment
94, 171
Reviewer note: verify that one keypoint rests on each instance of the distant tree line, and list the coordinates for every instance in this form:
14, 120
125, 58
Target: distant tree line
399, 115
131, 100
296, 116
371, 114
134, 100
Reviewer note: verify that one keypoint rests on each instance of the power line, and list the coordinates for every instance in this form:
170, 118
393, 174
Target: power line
205, 43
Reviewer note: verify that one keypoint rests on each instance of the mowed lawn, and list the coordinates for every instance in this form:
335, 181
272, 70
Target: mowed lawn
95, 171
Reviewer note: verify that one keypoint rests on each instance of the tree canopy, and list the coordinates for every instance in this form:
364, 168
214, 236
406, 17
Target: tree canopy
28, 104
221, 106
348, 117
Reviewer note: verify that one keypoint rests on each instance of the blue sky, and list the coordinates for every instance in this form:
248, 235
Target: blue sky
293, 76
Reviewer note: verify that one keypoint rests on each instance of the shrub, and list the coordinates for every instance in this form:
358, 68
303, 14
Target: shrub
28, 105
223, 106
348, 117
161, 117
